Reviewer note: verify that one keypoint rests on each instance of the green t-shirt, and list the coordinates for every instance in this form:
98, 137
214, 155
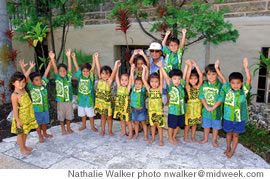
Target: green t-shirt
63, 88
137, 97
173, 60
177, 98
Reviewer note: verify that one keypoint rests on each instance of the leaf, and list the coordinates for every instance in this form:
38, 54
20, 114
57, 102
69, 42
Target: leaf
41, 65
35, 42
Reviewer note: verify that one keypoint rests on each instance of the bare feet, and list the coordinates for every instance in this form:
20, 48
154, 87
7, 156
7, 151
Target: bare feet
48, 135
176, 142
41, 140
203, 141
70, 131
82, 128
215, 144
25, 152
134, 137
187, 140
171, 141
64, 132
29, 148
161, 143
145, 138
151, 141
122, 134
194, 140
94, 129
129, 137
227, 151
229, 154
101, 133
111, 134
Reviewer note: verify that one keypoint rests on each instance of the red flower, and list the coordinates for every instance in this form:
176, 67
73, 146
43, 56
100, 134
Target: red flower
122, 20
9, 34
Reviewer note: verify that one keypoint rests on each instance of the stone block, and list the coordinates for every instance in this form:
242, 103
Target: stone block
244, 7
231, 15
72, 163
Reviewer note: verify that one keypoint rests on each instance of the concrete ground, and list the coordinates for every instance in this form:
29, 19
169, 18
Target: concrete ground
86, 149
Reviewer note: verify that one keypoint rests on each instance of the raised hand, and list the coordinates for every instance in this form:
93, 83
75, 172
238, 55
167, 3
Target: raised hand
168, 33
159, 64
51, 55
68, 52
118, 63
95, 55
141, 52
184, 31
22, 64
217, 64
32, 64
135, 52
245, 63
73, 55
193, 63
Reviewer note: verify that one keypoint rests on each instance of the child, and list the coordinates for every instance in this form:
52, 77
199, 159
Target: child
103, 104
176, 117
63, 92
24, 117
39, 95
193, 116
86, 91
155, 108
173, 52
234, 95
209, 94
122, 106
138, 94
139, 58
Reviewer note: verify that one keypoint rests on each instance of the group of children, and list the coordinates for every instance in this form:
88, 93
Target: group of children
208, 102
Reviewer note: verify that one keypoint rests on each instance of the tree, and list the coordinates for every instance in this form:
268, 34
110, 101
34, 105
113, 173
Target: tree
201, 22
26, 14
6, 65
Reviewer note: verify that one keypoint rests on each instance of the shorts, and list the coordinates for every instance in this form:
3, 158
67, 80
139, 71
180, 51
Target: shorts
175, 121
85, 111
64, 111
237, 127
42, 117
209, 123
139, 114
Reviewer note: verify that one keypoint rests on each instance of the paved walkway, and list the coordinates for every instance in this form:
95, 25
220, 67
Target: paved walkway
86, 149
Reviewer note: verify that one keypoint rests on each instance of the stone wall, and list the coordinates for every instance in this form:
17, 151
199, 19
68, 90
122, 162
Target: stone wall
260, 115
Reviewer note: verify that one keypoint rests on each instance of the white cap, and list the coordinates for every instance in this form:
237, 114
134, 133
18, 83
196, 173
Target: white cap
155, 46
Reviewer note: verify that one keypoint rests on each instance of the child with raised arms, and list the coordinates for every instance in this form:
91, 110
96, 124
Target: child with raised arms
139, 58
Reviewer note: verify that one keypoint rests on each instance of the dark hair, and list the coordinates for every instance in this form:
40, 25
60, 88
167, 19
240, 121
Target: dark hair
138, 79
87, 66
62, 65
33, 75
175, 72
17, 76
236, 76
211, 68
194, 73
154, 75
107, 69
139, 57
173, 39
124, 74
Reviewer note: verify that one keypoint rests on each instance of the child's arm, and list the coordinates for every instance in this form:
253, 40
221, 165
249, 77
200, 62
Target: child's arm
162, 71
27, 73
52, 55
245, 65
14, 101
185, 70
187, 77
74, 60
206, 105
161, 80
184, 32
141, 52
94, 63
47, 71
68, 53
23, 65
98, 65
115, 69
146, 73
143, 78
131, 77
166, 38
221, 76
131, 61
117, 76
210, 109
199, 72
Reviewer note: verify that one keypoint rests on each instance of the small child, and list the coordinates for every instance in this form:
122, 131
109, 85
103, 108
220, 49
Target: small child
86, 91
63, 77
39, 94
122, 106
234, 95
173, 52
176, 113
155, 108
138, 94
103, 104
209, 94
24, 117
193, 116
139, 58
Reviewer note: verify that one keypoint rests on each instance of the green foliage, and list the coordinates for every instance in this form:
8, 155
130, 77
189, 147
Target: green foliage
263, 63
37, 33
44, 62
81, 57
250, 97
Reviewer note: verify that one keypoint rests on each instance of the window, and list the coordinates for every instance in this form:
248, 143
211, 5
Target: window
264, 81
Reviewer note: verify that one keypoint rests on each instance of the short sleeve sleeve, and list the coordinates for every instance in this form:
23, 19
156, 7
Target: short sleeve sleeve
69, 75
165, 49
201, 93
246, 88
78, 74
30, 85
180, 51
183, 82
45, 81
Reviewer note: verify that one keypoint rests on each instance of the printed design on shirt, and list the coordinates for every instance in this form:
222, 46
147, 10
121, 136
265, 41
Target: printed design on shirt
209, 94
59, 88
230, 97
174, 96
36, 96
84, 86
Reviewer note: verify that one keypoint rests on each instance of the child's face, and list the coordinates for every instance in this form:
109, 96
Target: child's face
19, 84
176, 80
193, 80
154, 83
173, 46
211, 77
85, 72
37, 81
138, 84
62, 72
105, 75
124, 80
236, 84
139, 64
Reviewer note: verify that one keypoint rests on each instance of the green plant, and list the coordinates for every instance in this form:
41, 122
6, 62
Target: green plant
37, 33
263, 63
250, 97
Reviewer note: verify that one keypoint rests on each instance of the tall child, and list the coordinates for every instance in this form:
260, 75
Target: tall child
24, 117
39, 94
155, 107
63, 77
86, 91
122, 106
193, 116
139, 58
103, 104
209, 94
176, 113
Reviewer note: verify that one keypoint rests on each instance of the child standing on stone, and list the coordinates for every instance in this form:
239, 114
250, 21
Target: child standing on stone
155, 107
173, 52
176, 114
39, 94
193, 116
209, 94
122, 106
63, 77
24, 117
139, 58
103, 104
86, 91
234, 95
